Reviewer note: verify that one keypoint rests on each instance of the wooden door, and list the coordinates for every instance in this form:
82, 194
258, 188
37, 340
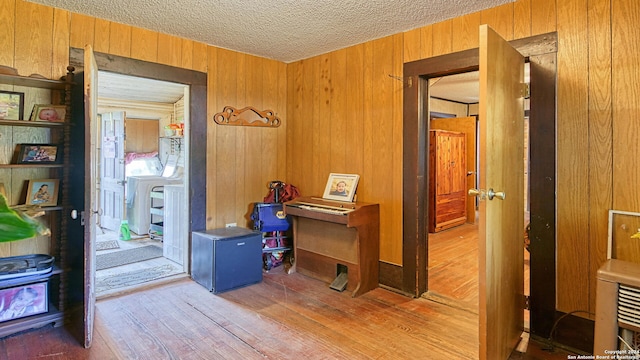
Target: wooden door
112, 170
91, 115
501, 220
466, 125
447, 180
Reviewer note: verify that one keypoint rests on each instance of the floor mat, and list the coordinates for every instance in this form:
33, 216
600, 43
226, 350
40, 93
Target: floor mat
107, 245
117, 258
133, 277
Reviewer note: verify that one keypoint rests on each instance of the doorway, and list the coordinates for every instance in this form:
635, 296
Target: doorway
540, 51
83, 233
141, 157
452, 264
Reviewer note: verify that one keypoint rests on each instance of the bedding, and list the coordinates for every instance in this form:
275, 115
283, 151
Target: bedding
142, 164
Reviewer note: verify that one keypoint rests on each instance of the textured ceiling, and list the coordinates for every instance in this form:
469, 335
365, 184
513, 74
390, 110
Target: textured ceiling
463, 88
284, 30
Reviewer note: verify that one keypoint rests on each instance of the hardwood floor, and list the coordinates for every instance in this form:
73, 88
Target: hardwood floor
453, 265
453, 268
283, 317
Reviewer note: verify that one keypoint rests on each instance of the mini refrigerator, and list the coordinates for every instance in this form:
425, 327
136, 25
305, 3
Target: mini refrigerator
227, 258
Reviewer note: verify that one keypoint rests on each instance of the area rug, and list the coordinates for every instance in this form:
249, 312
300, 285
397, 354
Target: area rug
117, 258
107, 245
133, 277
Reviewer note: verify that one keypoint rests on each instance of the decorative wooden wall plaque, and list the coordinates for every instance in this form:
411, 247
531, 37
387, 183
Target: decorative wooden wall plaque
248, 116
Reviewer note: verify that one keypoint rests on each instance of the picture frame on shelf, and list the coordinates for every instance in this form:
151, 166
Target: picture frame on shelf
38, 153
43, 192
341, 187
48, 112
22, 301
11, 105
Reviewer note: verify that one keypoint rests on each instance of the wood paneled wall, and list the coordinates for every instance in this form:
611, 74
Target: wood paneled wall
342, 112
142, 135
598, 95
241, 161
345, 117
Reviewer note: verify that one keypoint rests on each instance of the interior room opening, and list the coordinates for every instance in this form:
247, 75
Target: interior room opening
142, 150
452, 243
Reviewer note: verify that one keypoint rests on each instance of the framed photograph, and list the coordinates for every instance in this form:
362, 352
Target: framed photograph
623, 235
11, 105
341, 187
38, 154
45, 112
22, 301
43, 192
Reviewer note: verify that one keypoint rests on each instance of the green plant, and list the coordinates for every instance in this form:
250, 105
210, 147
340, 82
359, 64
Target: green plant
17, 225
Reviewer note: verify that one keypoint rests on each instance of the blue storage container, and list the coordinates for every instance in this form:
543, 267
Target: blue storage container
269, 217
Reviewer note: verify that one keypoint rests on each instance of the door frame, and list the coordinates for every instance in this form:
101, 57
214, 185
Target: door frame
197, 82
541, 52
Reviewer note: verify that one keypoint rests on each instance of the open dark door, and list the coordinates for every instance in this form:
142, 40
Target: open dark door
91, 113
82, 231
501, 206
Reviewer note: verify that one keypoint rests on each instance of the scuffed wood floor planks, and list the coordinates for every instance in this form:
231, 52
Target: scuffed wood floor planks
284, 317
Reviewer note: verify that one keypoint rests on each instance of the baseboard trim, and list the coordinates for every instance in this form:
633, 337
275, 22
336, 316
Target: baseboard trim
573, 332
390, 275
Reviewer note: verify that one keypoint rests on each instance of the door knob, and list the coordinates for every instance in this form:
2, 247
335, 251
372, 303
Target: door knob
500, 195
479, 193
75, 214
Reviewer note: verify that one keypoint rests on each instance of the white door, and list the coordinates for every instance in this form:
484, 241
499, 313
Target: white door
501, 170
112, 170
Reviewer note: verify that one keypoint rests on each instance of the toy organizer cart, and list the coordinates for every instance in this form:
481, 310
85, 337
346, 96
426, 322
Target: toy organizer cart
269, 218
157, 213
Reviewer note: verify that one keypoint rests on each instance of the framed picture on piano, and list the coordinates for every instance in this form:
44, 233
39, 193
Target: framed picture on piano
341, 187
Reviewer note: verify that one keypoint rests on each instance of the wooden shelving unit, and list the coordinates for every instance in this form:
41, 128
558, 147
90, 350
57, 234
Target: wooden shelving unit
39, 90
